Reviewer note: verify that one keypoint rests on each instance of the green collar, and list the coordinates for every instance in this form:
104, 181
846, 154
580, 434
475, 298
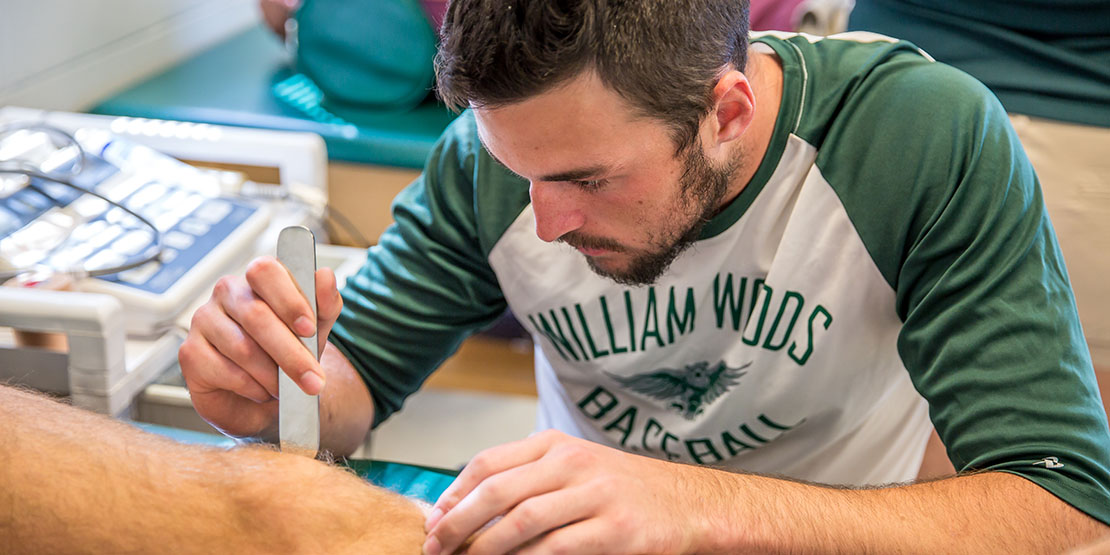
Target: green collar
793, 85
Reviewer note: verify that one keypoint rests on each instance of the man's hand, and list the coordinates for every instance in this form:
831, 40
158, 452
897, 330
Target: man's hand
557, 493
240, 337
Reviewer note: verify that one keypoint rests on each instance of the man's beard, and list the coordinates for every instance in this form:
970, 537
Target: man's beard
703, 188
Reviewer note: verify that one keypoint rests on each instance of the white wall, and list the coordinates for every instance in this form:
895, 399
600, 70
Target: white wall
69, 54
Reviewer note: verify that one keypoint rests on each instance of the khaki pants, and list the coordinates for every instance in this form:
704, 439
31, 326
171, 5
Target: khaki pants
1073, 164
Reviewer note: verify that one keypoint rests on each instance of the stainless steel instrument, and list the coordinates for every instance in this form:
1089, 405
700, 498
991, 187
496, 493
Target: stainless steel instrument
299, 413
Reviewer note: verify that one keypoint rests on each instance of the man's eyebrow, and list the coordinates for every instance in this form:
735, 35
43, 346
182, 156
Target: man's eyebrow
575, 174
568, 175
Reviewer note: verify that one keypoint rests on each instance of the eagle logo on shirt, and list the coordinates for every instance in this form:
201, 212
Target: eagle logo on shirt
689, 390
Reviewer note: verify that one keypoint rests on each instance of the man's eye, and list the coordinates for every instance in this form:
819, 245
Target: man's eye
590, 184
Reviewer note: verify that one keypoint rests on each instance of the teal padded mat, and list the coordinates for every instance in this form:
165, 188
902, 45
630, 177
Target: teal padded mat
409, 480
239, 82
418, 482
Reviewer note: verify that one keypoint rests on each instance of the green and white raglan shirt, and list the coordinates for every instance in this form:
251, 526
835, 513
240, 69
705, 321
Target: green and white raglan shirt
892, 246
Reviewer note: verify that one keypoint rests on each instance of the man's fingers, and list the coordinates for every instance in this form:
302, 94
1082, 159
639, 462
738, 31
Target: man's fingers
226, 396
214, 372
258, 319
240, 348
581, 538
534, 517
487, 463
272, 283
495, 496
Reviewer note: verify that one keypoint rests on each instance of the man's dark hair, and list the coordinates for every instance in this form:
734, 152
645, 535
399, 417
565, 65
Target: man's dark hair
663, 56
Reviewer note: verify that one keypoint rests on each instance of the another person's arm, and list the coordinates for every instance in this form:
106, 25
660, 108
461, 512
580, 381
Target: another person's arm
70, 479
276, 12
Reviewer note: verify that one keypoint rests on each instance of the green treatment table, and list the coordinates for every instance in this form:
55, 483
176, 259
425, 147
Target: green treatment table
247, 81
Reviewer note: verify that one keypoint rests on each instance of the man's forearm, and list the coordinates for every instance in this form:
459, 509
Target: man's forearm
989, 512
70, 480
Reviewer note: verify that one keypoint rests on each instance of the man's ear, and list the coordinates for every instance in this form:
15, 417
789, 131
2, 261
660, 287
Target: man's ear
734, 107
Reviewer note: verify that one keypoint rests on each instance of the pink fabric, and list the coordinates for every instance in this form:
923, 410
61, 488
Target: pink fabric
773, 15
434, 9
766, 15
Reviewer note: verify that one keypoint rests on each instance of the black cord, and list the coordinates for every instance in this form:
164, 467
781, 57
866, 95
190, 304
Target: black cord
331, 213
6, 275
347, 226
329, 230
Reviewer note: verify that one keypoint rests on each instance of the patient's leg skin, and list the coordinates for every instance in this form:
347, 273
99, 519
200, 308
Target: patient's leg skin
71, 481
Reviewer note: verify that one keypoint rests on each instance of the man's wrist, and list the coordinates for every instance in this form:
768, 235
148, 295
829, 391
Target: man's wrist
346, 406
725, 500
750, 513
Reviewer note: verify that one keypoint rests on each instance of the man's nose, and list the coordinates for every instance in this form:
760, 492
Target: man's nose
556, 208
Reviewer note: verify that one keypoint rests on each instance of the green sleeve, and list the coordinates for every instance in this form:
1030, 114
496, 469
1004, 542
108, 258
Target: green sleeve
427, 284
951, 212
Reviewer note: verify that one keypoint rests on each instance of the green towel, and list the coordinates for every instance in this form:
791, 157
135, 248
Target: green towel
370, 54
